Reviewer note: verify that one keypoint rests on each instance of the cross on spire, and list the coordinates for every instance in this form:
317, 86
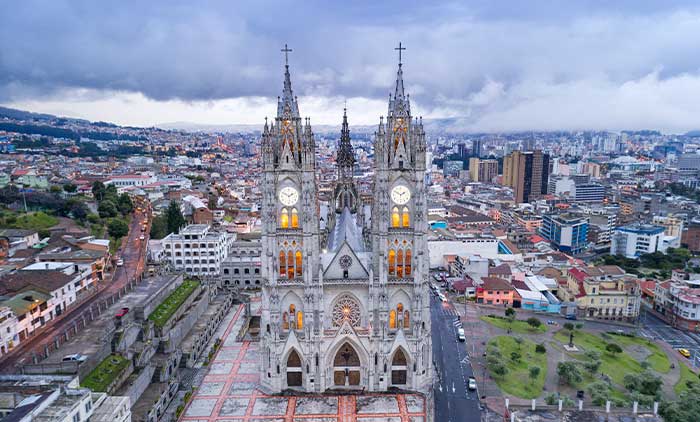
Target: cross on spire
399, 48
286, 50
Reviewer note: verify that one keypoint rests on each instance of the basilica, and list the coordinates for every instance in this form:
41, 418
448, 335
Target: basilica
345, 301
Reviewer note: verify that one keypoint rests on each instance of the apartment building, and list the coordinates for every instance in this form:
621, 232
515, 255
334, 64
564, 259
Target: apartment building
637, 239
482, 170
9, 338
566, 232
197, 250
673, 227
527, 173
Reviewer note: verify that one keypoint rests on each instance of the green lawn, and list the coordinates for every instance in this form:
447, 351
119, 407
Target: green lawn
107, 371
686, 375
31, 221
517, 381
167, 308
614, 366
657, 359
518, 325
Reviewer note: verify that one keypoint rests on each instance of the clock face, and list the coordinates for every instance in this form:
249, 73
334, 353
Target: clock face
400, 194
288, 196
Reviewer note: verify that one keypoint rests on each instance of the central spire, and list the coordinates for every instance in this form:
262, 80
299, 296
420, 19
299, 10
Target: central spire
345, 157
287, 106
399, 104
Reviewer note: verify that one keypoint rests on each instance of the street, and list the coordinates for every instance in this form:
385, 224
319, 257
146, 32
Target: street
655, 328
453, 401
133, 253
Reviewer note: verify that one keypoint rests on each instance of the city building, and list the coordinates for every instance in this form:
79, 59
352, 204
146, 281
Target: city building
673, 227
638, 239
241, 268
603, 292
197, 250
691, 236
9, 338
496, 291
364, 320
566, 232
527, 173
482, 170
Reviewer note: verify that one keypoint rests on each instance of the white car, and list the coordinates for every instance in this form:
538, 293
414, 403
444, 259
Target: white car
142, 237
472, 384
120, 262
460, 334
76, 357
442, 297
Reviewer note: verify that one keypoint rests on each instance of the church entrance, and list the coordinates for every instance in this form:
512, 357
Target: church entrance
346, 367
399, 368
294, 373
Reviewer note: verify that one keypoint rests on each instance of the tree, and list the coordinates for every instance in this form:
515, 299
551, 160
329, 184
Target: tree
510, 312
55, 189
70, 188
98, 190
569, 326
77, 210
9, 194
613, 348
686, 408
534, 372
534, 322
124, 204
159, 228
107, 209
599, 391
540, 348
645, 383
515, 356
117, 228
593, 363
174, 218
569, 373
519, 341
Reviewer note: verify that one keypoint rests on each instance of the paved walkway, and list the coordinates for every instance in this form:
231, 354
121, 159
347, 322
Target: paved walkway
229, 392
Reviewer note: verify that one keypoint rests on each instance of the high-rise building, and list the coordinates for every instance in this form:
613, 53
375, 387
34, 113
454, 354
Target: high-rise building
476, 148
353, 314
527, 173
638, 239
482, 170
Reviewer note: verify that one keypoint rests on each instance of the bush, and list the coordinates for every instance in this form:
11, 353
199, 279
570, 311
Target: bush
569, 373
540, 348
613, 348
534, 322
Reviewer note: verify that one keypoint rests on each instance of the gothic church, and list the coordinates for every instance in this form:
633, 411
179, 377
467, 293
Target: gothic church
345, 302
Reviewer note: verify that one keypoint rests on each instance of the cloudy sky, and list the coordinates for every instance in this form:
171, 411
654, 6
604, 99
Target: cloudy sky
490, 65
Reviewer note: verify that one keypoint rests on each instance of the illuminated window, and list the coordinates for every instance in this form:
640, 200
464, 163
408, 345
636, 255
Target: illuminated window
399, 307
300, 320
284, 219
399, 263
395, 219
295, 218
407, 263
406, 217
298, 263
392, 261
285, 321
283, 263
392, 319
290, 264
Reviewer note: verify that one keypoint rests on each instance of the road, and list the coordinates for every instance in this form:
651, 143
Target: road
133, 253
655, 328
453, 401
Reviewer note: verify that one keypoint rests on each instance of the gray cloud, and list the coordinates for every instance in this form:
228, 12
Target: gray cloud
482, 61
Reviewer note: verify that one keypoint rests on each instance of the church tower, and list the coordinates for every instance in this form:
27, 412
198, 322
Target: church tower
351, 316
290, 233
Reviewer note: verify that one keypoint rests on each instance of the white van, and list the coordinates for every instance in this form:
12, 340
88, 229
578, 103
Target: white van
460, 334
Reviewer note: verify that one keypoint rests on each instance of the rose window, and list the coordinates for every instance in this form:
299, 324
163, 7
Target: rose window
346, 308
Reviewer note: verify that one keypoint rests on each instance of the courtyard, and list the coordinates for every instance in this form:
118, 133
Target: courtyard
229, 392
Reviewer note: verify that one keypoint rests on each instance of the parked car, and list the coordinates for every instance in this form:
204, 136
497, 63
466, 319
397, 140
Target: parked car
460, 334
120, 262
442, 297
472, 383
75, 357
684, 352
122, 312
142, 237
551, 322
571, 317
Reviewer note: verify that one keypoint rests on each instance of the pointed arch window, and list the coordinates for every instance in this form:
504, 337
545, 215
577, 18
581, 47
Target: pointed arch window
392, 319
395, 218
284, 218
295, 218
399, 263
283, 263
392, 261
407, 263
290, 264
299, 263
285, 321
406, 217
300, 320
406, 319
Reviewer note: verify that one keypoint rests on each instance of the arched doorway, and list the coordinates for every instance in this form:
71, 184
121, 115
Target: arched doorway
399, 368
346, 367
294, 373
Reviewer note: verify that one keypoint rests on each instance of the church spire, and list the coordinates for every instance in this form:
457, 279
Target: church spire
287, 106
399, 104
345, 158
